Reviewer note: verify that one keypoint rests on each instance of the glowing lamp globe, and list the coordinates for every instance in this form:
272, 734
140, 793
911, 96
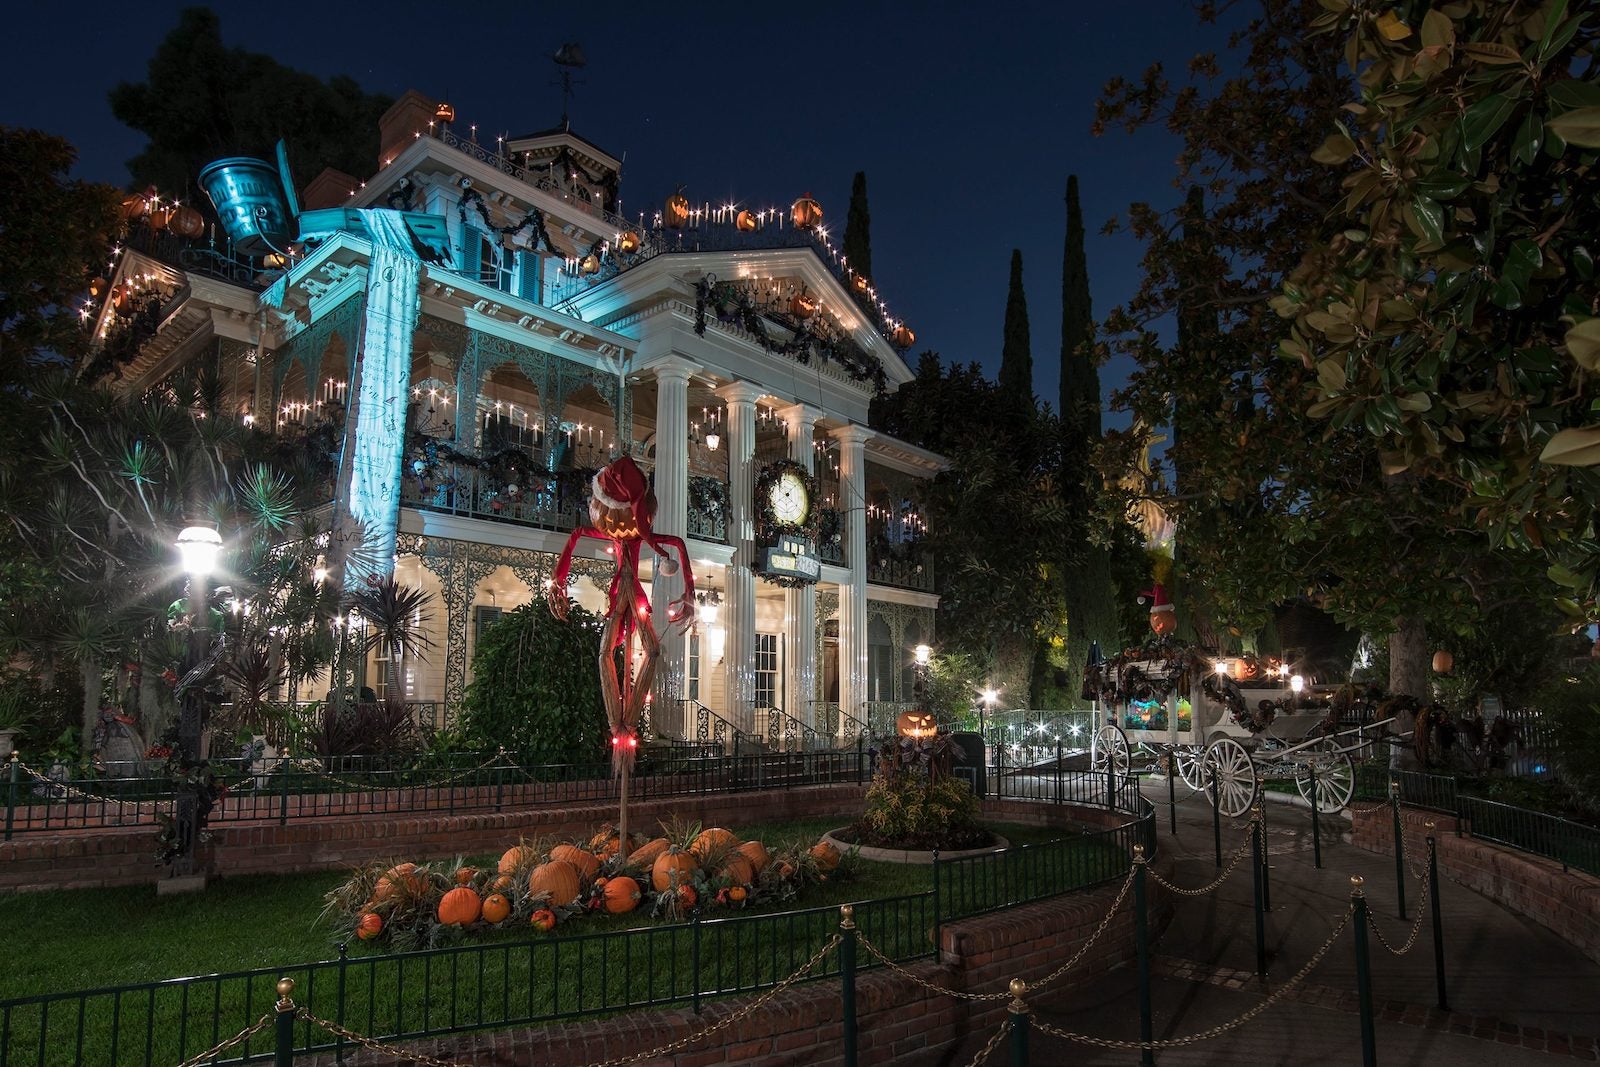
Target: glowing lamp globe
923, 654
198, 548
1297, 683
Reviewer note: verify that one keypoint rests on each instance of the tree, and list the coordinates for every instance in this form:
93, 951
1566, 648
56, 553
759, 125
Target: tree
1448, 307
1080, 378
202, 100
1309, 509
535, 690
1016, 352
858, 228
57, 235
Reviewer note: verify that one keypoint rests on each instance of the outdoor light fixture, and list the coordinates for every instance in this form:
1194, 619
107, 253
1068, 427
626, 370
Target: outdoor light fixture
990, 696
1297, 683
1221, 666
923, 654
198, 548
713, 439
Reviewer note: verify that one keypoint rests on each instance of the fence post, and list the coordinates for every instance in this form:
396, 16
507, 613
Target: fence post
11, 795
1266, 859
1216, 817
1111, 781
861, 760
338, 1011
1438, 921
694, 922
1141, 932
499, 787
1172, 791
847, 975
1316, 818
1399, 848
1058, 772
1019, 1024
937, 950
283, 800
1257, 866
1369, 1040
283, 1047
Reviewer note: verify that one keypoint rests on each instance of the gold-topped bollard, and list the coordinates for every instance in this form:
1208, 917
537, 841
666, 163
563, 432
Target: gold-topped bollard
847, 916
1356, 882
1369, 1039
847, 979
1138, 854
1019, 1023
1437, 908
283, 1052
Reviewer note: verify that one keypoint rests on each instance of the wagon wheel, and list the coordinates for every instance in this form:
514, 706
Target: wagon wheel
1336, 778
1110, 741
1227, 760
1191, 766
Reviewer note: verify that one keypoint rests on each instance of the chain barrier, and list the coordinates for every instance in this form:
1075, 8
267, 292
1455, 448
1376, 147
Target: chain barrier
367, 787
242, 1036
409, 1056
1238, 854
74, 793
1220, 1029
1416, 925
994, 1042
873, 950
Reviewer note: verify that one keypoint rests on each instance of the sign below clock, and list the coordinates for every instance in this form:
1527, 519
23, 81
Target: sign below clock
793, 558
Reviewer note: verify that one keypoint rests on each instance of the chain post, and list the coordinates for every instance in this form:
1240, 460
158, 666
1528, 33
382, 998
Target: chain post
1141, 927
1111, 780
847, 976
1438, 919
1316, 817
1019, 1024
1399, 848
1369, 1040
1216, 816
1172, 791
1258, 896
694, 921
338, 1014
283, 1050
499, 787
283, 800
1266, 860
1059, 765
11, 794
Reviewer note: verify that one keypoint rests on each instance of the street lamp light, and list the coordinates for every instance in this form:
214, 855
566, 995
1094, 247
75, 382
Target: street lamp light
923, 654
198, 548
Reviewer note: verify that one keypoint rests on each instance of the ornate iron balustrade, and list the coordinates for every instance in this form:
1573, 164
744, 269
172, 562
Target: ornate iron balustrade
457, 489
196, 256
505, 166
881, 716
711, 728
913, 573
708, 510
836, 723
786, 732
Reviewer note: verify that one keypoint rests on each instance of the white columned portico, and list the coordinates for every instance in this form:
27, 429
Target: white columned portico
672, 517
853, 596
800, 604
739, 654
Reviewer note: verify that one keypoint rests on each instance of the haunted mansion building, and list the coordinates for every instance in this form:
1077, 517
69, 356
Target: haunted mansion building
538, 333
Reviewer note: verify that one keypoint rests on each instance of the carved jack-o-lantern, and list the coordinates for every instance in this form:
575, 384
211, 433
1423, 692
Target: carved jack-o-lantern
745, 221
903, 337
676, 210
804, 306
628, 243
186, 222
620, 523
1163, 623
806, 213
917, 724
860, 284
444, 112
590, 264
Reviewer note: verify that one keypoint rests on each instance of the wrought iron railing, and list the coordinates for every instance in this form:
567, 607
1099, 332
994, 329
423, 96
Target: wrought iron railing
546, 501
506, 166
882, 716
915, 572
786, 733
197, 256
711, 728
708, 510
836, 723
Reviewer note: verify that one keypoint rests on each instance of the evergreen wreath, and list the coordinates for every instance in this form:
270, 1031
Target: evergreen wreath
732, 304
769, 526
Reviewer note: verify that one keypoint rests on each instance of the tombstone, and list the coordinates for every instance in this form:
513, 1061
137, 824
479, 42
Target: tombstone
969, 759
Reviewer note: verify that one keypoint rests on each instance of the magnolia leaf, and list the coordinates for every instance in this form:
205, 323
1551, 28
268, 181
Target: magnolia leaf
1393, 463
1398, 310
1580, 126
1429, 220
1338, 7
1571, 92
1330, 375
1562, 576
1573, 448
1322, 409
1481, 121
1415, 402
1390, 25
1437, 29
1491, 52
1583, 344
1335, 150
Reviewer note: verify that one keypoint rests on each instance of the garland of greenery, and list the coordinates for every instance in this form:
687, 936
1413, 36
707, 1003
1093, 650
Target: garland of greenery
769, 526
533, 220
400, 196
709, 497
512, 469
732, 303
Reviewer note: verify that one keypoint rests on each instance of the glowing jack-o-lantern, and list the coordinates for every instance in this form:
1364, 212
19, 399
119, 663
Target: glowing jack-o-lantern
745, 221
1443, 661
444, 112
860, 284
804, 306
590, 264
628, 243
917, 724
806, 213
676, 210
903, 337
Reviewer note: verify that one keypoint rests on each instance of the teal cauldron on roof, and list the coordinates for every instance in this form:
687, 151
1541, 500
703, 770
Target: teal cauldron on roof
258, 210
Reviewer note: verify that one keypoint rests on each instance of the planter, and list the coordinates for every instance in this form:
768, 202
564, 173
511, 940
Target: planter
8, 742
905, 855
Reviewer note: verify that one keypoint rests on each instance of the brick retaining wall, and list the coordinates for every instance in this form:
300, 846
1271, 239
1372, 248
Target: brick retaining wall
1565, 902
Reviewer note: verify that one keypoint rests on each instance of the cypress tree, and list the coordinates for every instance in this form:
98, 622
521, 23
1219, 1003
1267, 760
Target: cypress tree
1016, 352
858, 228
1080, 379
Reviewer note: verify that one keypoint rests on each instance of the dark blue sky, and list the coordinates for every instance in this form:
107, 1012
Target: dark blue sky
966, 117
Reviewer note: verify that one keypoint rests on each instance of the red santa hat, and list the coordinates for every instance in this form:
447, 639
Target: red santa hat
1156, 597
621, 486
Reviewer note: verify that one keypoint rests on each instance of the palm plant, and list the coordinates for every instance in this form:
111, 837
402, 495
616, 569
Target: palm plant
397, 619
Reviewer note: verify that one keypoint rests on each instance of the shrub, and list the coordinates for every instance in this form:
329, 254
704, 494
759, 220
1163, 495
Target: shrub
1572, 705
909, 806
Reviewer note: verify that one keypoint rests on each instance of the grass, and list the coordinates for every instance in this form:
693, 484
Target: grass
97, 938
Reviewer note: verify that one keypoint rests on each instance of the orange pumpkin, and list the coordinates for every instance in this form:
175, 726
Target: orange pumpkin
739, 868
1443, 661
757, 854
736, 893
676, 213
459, 907
628, 243
368, 926
672, 862
604, 835
496, 908
621, 895
186, 222
826, 855
903, 337
584, 862
502, 883
687, 897
785, 870
543, 919
805, 213
745, 221
465, 875
714, 838
557, 878
405, 872
514, 857
646, 855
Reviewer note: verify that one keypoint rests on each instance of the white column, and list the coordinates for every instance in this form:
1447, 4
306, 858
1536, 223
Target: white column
800, 605
672, 517
853, 595
740, 605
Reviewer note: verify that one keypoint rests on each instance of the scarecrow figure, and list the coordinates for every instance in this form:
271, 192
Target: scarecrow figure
1163, 616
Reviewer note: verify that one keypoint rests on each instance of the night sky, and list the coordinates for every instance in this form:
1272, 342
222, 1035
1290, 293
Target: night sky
967, 118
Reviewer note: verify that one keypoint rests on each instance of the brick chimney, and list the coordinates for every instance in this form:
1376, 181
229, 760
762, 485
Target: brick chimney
399, 126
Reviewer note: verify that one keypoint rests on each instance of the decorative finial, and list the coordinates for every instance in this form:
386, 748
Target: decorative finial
847, 916
1356, 882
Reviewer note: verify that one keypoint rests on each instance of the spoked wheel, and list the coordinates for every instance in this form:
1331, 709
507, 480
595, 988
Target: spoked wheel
1227, 760
1191, 766
1110, 743
1336, 778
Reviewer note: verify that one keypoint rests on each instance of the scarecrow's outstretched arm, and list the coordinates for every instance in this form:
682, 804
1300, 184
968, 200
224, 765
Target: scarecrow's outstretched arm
557, 594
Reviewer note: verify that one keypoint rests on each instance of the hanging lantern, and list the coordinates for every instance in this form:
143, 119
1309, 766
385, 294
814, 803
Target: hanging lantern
444, 112
917, 723
903, 337
804, 305
676, 212
1443, 661
590, 264
628, 243
806, 214
745, 221
186, 222
860, 284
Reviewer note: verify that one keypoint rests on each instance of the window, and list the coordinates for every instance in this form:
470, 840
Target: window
378, 677
691, 674
484, 616
530, 277
767, 670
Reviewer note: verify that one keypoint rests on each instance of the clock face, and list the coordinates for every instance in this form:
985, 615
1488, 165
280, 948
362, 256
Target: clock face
789, 501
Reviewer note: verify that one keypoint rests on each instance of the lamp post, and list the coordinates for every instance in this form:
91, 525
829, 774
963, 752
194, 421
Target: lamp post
198, 548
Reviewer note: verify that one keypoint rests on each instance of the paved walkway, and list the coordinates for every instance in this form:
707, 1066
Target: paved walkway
1518, 995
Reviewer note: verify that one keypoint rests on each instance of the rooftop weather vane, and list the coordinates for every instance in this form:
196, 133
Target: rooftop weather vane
569, 57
